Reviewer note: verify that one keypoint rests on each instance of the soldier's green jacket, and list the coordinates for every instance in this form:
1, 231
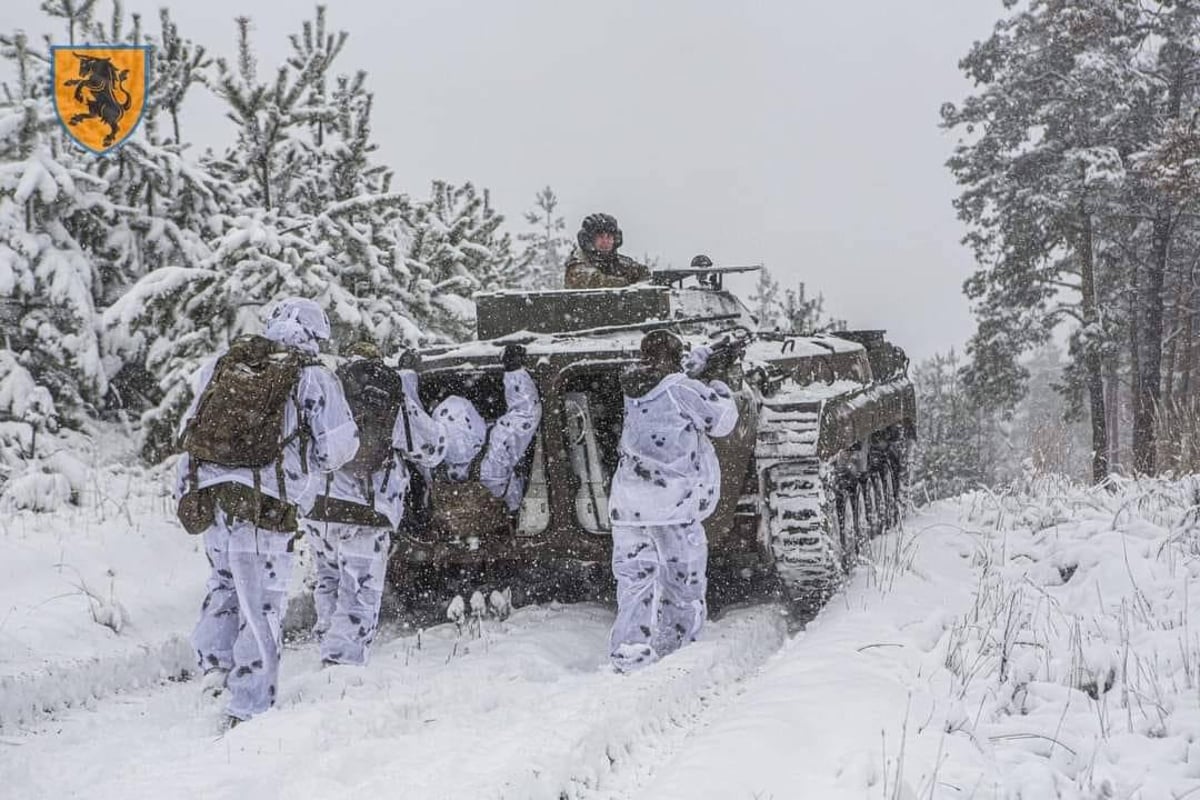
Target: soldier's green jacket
587, 270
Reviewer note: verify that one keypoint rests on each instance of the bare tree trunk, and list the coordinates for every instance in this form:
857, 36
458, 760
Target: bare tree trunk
1173, 331
1135, 372
1112, 405
1189, 330
1093, 363
1150, 338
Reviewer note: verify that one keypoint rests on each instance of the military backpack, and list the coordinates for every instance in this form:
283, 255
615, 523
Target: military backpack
376, 397
240, 417
375, 394
239, 423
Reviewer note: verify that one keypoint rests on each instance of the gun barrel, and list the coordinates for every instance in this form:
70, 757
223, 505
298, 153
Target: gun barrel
648, 325
707, 270
710, 276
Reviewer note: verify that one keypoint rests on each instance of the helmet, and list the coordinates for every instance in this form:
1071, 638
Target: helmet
599, 223
701, 262
465, 432
305, 313
297, 322
661, 347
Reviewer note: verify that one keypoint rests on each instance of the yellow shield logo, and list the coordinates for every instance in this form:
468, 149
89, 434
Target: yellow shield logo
100, 92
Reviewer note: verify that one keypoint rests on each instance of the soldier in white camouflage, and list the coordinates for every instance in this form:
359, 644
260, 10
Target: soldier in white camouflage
668, 482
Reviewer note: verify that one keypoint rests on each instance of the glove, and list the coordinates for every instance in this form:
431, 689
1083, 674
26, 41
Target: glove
695, 361
408, 358
513, 357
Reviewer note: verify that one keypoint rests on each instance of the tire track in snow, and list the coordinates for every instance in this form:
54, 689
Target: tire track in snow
29, 697
639, 718
530, 710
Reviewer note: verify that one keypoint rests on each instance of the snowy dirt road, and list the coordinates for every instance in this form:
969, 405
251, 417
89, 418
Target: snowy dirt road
1032, 644
528, 709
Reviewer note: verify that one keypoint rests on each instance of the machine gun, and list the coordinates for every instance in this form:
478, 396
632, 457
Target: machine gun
707, 277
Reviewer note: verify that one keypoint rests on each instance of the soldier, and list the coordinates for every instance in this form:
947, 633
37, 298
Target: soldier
360, 504
267, 421
595, 263
498, 470
667, 482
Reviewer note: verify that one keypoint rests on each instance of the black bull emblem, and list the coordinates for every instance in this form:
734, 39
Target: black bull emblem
100, 77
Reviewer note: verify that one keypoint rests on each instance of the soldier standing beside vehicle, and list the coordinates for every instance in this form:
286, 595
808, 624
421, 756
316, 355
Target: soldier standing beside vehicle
667, 483
498, 470
267, 421
359, 505
595, 262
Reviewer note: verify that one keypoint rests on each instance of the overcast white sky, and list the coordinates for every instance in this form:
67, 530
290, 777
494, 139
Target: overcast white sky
799, 134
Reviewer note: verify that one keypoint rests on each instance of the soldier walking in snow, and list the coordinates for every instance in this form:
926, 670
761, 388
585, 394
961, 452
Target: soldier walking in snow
267, 421
497, 470
350, 525
667, 483
595, 263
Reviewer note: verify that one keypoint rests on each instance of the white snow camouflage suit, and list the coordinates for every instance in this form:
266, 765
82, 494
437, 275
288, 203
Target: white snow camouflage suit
667, 482
351, 559
241, 621
507, 440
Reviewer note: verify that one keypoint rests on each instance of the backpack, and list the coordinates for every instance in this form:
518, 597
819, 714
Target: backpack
376, 395
466, 508
239, 419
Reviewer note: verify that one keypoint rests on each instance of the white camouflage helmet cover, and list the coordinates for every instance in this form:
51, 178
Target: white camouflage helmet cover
465, 433
299, 322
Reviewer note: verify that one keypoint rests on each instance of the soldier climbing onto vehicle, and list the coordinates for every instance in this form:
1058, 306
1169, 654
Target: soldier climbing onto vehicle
498, 469
265, 425
667, 483
595, 262
359, 505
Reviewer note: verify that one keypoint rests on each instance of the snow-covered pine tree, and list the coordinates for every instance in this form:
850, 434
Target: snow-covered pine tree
800, 313
1048, 427
302, 162
178, 64
546, 245
1041, 168
52, 218
956, 447
764, 303
359, 217
304, 212
1078, 166
455, 248
168, 205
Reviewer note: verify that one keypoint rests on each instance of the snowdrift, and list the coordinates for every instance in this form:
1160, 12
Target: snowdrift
1035, 642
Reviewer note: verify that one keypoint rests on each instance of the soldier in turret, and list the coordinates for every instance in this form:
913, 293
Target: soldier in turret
595, 262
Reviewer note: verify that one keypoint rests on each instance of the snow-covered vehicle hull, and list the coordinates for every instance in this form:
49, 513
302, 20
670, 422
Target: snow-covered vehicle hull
815, 465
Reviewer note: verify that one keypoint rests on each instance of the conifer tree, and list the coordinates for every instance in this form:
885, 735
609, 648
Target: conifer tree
52, 213
456, 248
803, 314
546, 245
764, 303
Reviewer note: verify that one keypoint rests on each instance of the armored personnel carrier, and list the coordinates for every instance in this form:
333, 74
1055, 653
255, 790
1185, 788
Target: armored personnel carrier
815, 466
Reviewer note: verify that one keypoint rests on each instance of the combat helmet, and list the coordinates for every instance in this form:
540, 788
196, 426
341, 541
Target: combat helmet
598, 223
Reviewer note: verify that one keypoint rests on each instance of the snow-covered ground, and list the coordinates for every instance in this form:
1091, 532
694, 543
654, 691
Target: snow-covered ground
1036, 643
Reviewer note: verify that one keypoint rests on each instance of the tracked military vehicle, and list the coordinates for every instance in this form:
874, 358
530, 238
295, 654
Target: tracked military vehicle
815, 466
